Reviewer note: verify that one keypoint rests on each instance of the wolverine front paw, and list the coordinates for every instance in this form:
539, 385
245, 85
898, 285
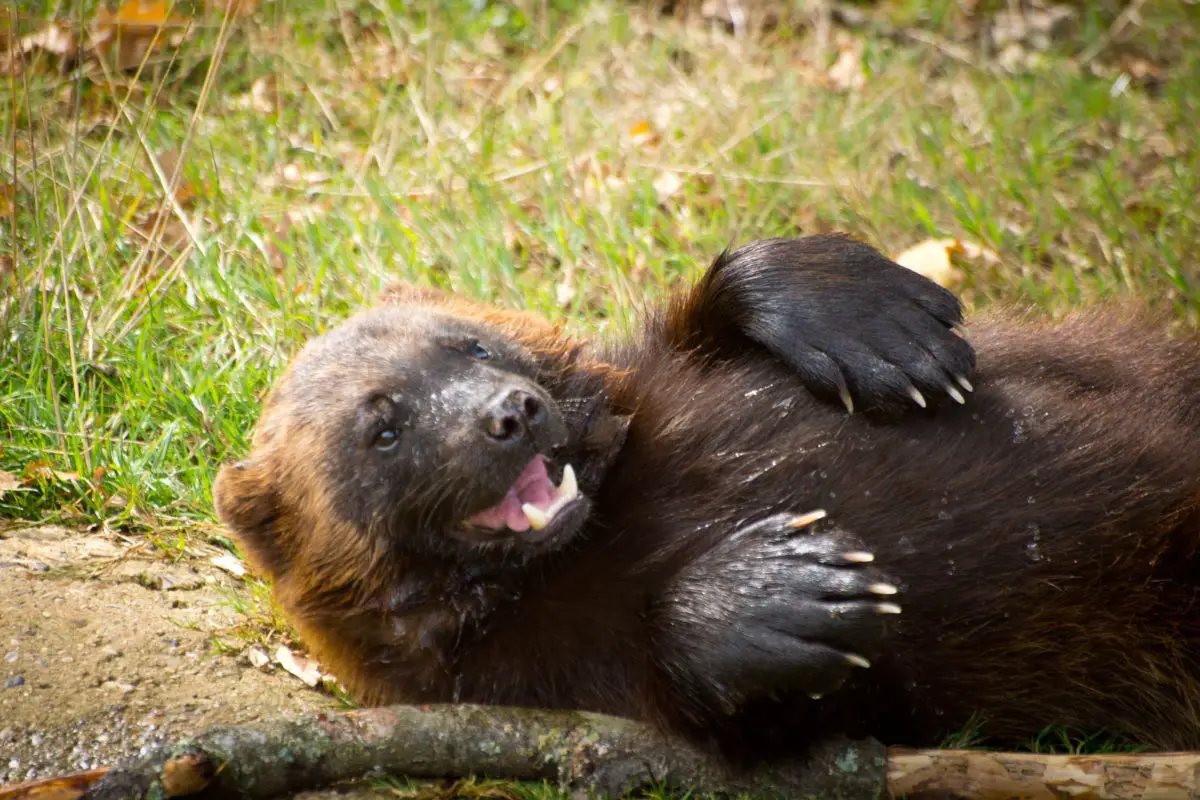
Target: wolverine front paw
786, 604
854, 325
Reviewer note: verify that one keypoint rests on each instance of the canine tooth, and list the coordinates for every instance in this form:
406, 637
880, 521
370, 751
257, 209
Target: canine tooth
568, 488
538, 519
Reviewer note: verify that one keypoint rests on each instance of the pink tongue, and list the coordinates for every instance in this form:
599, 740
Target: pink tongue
531, 486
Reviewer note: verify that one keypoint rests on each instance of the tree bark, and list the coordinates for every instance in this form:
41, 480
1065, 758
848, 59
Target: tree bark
580, 751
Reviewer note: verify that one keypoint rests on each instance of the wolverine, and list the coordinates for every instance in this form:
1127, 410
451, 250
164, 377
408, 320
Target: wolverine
796, 501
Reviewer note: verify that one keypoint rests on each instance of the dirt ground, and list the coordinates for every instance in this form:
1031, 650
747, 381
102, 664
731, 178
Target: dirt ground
107, 651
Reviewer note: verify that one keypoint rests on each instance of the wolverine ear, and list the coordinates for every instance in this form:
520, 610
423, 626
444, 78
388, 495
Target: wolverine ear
246, 502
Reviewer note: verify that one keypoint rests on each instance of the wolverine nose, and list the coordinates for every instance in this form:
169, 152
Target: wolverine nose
512, 414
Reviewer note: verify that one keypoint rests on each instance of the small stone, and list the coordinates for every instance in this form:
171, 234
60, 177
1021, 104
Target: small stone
36, 739
14, 682
11, 656
108, 653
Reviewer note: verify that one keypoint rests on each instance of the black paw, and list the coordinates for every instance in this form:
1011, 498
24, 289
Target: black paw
857, 327
786, 604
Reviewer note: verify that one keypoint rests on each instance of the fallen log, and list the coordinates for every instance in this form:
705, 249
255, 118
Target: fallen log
578, 751
592, 753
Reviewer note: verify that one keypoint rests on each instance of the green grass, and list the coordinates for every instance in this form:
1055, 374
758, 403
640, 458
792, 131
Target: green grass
332, 146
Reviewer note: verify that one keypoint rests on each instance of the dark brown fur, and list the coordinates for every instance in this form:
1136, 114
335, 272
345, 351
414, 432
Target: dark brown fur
1043, 536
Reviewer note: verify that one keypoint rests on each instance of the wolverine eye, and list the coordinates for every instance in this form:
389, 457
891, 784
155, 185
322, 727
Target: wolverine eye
478, 351
386, 439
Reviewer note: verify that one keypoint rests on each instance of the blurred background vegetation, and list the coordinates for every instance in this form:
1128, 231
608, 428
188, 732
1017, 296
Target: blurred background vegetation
188, 191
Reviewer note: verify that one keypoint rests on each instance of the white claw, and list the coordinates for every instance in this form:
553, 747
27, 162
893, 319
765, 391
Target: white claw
964, 383
882, 588
956, 394
855, 660
917, 397
847, 400
537, 518
804, 520
816, 696
858, 557
888, 608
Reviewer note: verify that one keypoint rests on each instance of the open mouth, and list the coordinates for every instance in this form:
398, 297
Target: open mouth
533, 501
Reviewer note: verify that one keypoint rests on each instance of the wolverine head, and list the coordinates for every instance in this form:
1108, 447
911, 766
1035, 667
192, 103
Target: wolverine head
411, 429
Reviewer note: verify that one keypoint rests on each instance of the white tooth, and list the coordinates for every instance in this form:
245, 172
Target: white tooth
538, 519
568, 488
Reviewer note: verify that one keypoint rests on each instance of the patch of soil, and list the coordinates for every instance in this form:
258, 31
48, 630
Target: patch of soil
106, 651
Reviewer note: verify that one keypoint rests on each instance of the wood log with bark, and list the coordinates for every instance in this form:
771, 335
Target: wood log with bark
591, 754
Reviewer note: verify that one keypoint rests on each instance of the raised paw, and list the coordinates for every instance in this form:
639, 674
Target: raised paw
855, 326
787, 603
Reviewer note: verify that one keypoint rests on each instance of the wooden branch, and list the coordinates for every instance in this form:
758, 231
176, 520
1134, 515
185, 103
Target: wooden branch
981, 775
592, 752
576, 750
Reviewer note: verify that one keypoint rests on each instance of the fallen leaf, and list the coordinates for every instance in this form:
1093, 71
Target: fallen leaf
135, 29
230, 563
43, 470
172, 233
57, 38
257, 657
977, 252
666, 185
8, 481
642, 134
65, 787
168, 162
931, 258
305, 668
260, 98
847, 73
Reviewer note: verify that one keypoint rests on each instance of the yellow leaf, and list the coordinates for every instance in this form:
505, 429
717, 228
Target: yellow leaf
8, 199
931, 258
143, 12
136, 28
642, 134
